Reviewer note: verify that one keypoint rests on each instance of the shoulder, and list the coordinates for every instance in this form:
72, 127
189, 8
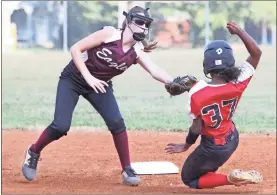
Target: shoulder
197, 87
106, 31
112, 34
138, 47
193, 97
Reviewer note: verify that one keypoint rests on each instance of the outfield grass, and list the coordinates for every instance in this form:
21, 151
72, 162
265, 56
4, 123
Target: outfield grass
29, 81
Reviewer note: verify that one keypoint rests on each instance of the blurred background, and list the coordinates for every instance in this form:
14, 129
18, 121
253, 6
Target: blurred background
177, 24
36, 37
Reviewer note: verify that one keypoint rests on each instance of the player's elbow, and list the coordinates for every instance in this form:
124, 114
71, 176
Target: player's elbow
73, 48
258, 53
195, 130
197, 125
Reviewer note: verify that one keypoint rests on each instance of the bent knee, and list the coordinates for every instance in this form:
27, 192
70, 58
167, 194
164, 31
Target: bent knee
116, 126
60, 126
63, 128
191, 183
58, 130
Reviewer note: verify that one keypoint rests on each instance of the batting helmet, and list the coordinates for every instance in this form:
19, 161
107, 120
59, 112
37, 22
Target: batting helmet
218, 55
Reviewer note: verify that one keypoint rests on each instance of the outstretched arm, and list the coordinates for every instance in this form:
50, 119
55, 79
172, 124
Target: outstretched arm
194, 132
174, 86
155, 71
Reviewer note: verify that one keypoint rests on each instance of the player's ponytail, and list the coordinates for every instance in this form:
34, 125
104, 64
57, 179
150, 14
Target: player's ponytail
149, 46
228, 74
123, 26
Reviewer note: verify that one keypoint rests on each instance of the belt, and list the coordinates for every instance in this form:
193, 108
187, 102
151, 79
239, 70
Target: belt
220, 141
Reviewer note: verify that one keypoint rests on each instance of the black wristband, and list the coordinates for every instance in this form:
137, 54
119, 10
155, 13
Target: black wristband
191, 137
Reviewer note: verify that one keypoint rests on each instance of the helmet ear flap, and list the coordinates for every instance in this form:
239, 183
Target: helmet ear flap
146, 13
127, 15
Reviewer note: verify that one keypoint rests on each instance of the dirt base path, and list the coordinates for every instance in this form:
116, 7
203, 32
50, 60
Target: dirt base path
86, 163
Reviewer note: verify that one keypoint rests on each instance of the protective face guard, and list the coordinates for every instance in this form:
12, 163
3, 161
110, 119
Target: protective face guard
130, 16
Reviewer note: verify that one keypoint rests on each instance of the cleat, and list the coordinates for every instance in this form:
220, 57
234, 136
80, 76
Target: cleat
239, 177
129, 177
29, 167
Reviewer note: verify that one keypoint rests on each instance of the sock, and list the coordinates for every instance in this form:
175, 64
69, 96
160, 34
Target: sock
42, 141
122, 147
211, 180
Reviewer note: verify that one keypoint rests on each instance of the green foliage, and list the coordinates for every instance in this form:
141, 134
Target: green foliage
220, 13
86, 17
89, 16
266, 10
100, 11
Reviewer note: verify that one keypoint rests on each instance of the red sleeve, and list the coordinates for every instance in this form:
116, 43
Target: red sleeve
193, 109
193, 105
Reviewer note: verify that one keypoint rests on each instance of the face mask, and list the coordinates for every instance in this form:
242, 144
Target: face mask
137, 36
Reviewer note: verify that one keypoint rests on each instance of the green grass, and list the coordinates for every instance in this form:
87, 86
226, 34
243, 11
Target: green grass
29, 82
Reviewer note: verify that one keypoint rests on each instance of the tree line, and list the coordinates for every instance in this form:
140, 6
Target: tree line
85, 17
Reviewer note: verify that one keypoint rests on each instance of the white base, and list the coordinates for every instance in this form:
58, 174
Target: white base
154, 168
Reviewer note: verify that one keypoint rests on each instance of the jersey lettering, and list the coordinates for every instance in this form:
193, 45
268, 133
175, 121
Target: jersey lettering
217, 116
104, 56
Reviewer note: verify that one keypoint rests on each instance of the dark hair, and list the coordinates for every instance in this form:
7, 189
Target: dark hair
148, 45
228, 74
